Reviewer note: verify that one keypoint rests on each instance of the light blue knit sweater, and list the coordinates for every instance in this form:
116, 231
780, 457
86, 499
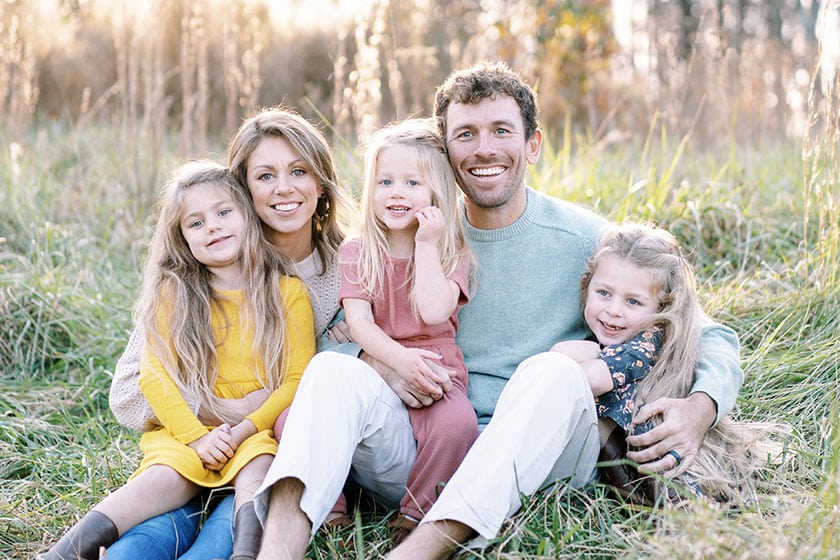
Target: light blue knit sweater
527, 298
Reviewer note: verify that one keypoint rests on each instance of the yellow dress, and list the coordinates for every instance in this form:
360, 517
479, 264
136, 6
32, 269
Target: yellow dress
167, 445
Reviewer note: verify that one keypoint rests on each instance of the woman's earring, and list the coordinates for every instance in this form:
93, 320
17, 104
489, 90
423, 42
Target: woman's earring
322, 211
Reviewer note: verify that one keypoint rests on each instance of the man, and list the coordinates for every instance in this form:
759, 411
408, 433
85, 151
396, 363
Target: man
535, 407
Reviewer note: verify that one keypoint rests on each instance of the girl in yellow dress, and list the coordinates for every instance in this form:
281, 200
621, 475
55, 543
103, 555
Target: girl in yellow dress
222, 320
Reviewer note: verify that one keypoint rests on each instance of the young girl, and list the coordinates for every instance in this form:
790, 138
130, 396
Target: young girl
403, 280
640, 302
221, 320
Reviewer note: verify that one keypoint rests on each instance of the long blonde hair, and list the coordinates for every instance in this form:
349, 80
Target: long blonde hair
177, 295
725, 464
334, 208
374, 247
657, 252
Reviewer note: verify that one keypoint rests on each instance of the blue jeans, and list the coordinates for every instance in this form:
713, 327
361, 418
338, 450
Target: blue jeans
175, 535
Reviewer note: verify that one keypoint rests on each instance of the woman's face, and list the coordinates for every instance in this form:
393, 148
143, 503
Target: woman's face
285, 193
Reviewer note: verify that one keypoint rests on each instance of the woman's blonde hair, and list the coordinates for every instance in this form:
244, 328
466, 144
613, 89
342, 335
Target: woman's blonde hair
177, 301
334, 209
724, 466
420, 136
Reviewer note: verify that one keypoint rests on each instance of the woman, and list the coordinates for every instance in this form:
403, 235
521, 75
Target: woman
288, 169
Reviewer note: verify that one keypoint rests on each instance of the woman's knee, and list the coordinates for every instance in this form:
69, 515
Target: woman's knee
279, 424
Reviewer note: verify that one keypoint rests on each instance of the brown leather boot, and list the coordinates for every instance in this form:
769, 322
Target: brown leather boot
247, 533
83, 540
625, 479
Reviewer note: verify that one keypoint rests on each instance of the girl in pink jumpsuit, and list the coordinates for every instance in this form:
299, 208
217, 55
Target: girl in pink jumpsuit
403, 281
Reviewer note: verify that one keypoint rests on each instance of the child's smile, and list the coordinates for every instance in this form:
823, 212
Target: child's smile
620, 302
401, 188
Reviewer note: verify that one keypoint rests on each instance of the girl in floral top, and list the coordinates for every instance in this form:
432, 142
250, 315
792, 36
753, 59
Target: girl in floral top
640, 302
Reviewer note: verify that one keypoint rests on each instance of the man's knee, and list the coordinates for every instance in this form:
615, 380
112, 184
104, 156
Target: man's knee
552, 371
331, 369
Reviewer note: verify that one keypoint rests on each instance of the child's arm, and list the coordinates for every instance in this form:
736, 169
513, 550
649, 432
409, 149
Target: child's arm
374, 341
588, 355
215, 447
300, 347
167, 402
437, 296
240, 407
241, 432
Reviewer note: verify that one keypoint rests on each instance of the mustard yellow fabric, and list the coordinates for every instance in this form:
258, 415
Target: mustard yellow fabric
167, 445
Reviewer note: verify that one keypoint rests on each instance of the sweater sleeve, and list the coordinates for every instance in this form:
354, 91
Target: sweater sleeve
300, 347
129, 363
325, 343
125, 397
719, 374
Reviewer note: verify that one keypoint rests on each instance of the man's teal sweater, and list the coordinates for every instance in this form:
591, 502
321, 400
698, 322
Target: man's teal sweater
528, 297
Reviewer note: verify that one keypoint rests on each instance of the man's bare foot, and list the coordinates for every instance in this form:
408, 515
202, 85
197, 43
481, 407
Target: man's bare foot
337, 520
435, 540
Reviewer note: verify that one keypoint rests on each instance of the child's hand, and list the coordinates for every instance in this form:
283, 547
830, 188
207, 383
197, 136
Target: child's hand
431, 226
412, 364
214, 448
241, 432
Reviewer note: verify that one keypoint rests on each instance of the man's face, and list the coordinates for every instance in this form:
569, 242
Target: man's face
489, 151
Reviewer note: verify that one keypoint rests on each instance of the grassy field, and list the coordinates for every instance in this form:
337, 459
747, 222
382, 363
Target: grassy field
759, 221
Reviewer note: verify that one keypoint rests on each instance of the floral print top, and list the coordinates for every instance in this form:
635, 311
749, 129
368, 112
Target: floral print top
628, 362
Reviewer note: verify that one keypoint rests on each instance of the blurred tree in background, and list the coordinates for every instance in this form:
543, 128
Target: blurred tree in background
194, 68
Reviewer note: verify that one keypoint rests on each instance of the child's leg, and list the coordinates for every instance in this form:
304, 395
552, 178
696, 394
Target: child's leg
249, 478
444, 432
123, 509
247, 530
164, 537
130, 504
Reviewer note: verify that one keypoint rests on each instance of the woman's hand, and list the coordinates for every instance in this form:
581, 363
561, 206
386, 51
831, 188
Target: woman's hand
215, 447
240, 408
671, 447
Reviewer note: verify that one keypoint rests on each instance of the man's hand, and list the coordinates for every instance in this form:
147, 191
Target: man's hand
683, 427
339, 332
415, 392
214, 448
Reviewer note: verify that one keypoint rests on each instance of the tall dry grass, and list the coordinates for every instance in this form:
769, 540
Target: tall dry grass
759, 219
